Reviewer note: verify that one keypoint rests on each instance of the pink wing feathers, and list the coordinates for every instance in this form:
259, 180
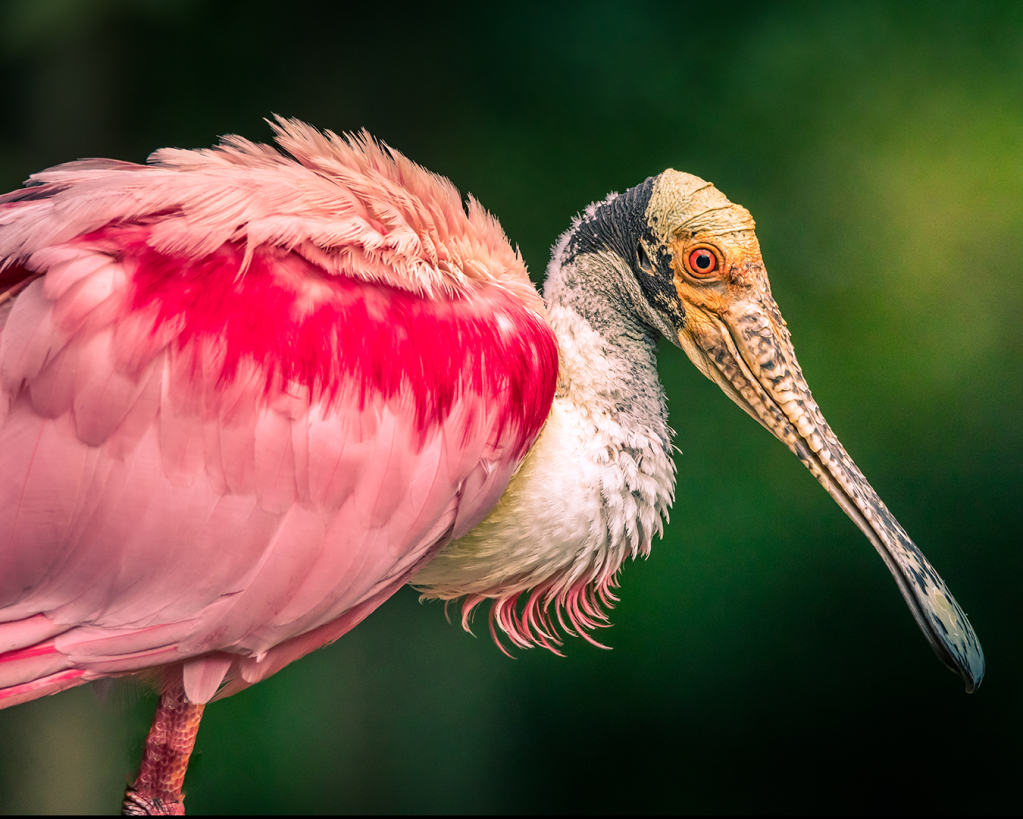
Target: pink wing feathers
246, 401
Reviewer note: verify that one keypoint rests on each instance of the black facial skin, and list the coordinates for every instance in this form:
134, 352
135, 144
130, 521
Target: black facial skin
621, 227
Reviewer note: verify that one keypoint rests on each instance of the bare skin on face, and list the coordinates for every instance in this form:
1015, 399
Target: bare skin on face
734, 332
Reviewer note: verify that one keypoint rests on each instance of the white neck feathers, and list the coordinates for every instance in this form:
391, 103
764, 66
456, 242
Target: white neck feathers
593, 490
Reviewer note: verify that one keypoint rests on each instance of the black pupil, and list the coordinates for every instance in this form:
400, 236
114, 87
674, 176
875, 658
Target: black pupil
703, 260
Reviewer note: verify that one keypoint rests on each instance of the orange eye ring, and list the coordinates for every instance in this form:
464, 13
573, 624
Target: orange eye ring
703, 261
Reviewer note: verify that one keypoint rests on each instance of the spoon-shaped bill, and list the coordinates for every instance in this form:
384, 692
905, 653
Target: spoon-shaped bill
746, 349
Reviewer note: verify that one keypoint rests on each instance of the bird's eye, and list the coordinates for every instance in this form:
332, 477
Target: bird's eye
643, 259
703, 261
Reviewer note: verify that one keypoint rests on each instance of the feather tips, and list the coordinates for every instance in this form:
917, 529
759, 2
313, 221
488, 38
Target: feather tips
349, 204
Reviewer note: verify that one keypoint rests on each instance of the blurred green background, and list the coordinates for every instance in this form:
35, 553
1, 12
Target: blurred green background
763, 659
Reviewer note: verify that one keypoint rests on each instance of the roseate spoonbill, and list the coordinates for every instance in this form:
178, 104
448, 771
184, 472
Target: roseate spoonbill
247, 395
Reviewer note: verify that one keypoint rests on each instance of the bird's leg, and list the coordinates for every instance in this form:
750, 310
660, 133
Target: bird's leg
157, 789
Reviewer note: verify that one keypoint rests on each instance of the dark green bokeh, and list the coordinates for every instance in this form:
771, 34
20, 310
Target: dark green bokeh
763, 659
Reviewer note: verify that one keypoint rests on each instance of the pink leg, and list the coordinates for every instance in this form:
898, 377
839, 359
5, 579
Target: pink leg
157, 790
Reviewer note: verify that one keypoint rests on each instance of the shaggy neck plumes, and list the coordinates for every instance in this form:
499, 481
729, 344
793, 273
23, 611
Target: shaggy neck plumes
594, 489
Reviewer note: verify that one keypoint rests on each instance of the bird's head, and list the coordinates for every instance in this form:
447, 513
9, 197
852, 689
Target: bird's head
693, 270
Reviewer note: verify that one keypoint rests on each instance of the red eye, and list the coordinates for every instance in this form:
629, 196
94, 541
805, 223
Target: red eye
702, 262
